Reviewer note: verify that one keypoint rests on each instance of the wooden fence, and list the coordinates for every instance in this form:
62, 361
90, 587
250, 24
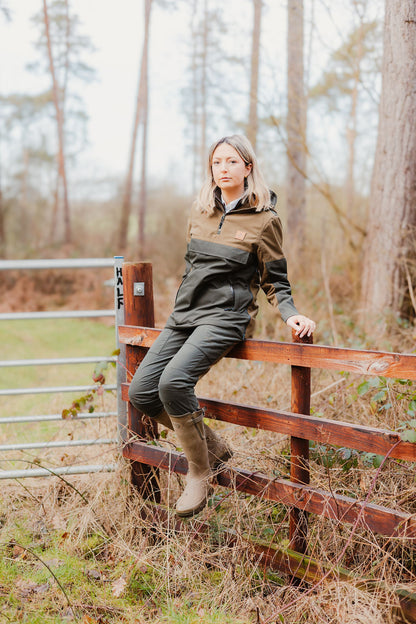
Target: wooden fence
138, 334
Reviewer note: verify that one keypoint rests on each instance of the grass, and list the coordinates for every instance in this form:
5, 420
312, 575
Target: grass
100, 559
49, 339
54, 338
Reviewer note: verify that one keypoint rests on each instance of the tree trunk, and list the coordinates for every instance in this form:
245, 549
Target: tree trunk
253, 121
128, 188
351, 140
203, 88
143, 182
55, 212
2, 225
60, 127
194, 96
352, 125
389, 244
296, 127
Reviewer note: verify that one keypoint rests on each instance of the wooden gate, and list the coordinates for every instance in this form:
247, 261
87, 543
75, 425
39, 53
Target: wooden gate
138, 334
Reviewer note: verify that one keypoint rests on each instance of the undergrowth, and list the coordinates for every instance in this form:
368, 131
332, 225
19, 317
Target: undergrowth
88, 549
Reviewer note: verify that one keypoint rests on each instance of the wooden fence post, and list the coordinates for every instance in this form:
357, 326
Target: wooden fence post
139, 311
299, 466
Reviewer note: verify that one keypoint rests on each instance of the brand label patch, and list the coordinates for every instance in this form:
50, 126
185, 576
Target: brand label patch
240, 235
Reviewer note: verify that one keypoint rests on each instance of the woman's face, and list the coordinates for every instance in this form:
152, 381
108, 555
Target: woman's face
229, 171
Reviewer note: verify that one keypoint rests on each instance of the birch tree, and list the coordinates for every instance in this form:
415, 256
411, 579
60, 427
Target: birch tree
2, 222
389, 252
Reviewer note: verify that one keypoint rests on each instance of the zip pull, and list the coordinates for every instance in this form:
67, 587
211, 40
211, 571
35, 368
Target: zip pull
221, 222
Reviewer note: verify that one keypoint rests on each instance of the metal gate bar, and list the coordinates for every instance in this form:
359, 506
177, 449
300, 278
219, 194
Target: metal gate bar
63, 314
118, 314
53, 390
54, 361
61, 470
8, 420
56, 444
56, 263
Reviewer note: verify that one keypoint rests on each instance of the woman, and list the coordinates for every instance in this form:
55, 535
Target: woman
234, 248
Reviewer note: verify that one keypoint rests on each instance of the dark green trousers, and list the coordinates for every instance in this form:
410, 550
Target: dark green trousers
167, 376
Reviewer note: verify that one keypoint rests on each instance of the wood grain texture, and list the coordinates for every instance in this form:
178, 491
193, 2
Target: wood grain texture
323, 430
299, 448
335, 507
376, 363
139, 311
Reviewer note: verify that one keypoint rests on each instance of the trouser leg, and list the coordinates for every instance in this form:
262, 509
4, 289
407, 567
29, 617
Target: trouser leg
171, 368
144, 387
203, 347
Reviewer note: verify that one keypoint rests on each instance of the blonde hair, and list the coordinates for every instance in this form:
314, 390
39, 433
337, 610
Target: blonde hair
256, 191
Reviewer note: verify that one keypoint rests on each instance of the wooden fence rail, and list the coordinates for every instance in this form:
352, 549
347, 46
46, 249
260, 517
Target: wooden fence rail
138, 334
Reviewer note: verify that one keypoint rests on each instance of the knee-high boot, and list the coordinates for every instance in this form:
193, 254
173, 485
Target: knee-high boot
190, 432
218, 449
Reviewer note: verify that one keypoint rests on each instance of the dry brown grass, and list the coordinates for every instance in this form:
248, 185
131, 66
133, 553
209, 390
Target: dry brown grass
165, 574
128, 568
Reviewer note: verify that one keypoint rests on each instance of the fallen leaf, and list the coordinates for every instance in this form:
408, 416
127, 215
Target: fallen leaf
19, 552
68, 615
87, 619
119, 586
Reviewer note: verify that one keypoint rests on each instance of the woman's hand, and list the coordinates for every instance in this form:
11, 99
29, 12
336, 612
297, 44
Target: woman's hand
303, 325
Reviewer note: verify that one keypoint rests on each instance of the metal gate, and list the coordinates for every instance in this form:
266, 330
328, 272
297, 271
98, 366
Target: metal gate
6, 420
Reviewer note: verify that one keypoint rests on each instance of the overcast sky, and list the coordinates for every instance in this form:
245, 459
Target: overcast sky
115, 29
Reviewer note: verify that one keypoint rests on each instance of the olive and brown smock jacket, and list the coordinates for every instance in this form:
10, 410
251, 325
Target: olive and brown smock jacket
229, 257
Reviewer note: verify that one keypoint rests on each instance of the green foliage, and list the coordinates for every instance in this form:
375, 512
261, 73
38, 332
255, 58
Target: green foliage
331, 456
384, 395
382, 391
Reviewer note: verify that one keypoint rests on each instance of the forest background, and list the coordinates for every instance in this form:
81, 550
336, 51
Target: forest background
106, 114
106, 118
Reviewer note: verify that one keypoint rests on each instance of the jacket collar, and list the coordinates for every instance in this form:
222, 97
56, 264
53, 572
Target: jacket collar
243, 204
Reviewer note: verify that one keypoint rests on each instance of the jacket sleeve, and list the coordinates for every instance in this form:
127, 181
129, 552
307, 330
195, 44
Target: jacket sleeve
188, 238
273, 269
